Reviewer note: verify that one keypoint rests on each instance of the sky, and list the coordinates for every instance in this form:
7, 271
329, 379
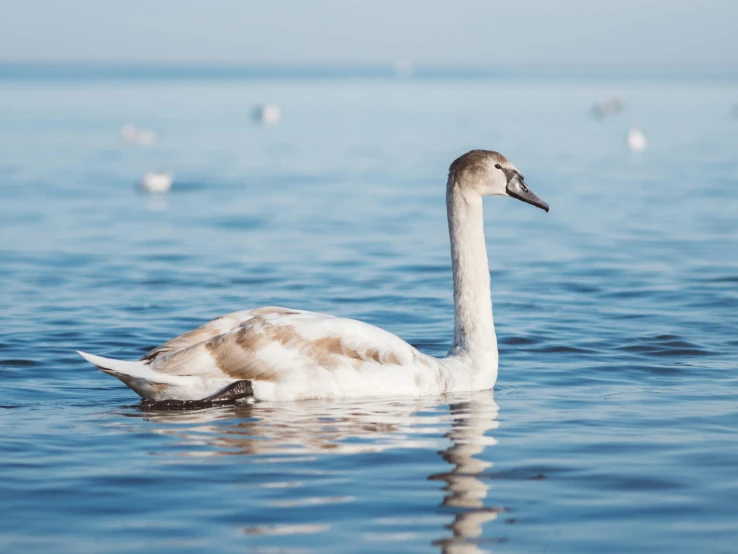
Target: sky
473, 32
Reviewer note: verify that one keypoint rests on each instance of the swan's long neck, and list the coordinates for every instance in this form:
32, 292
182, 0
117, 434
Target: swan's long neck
474, 328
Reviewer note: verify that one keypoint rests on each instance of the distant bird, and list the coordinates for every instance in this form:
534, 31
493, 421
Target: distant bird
608, 107
267, 114
142, 137
156, 181
636, 140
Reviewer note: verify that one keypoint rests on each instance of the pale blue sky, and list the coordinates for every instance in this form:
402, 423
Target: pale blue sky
372, 31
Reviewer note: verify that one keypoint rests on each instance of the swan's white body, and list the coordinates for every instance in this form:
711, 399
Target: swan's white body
606, 108
636, 140
142, 137
290, 354
156, 182
268, 114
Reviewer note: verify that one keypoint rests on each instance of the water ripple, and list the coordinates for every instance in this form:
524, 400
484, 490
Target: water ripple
615, 313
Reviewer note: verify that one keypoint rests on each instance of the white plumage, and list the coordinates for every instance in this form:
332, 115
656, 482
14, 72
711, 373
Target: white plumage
283, 354
156, 182
141, 137
267, 114
286, 355
636, 140
609, 107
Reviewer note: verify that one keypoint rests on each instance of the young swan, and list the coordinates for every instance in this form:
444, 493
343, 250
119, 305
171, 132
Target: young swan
283, 354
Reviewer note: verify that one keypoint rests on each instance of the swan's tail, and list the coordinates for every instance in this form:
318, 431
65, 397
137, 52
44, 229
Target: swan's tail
156, 386
110, 365
146, 382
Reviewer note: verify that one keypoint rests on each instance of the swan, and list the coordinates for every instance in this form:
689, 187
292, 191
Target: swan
132, 135
636, 140
275, 353
606, 108
156, 181
267, 114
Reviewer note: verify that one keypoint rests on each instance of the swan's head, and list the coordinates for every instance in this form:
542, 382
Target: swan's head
489, 173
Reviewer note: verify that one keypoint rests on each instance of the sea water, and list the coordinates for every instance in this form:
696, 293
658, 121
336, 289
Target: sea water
612, 427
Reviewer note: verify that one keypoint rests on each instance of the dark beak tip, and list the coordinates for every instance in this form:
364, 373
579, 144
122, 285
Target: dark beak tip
517, 189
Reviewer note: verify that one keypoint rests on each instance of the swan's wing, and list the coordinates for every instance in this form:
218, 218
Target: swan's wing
218, 326
270, 343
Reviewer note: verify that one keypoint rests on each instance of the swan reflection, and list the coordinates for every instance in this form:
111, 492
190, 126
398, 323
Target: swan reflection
466, 491
304, 431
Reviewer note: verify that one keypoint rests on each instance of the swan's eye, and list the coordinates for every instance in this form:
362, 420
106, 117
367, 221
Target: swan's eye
498, 166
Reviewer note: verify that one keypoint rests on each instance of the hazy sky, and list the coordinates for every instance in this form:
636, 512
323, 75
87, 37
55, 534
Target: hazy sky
372, 31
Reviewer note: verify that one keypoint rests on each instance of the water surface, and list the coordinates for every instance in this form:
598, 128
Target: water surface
611, 428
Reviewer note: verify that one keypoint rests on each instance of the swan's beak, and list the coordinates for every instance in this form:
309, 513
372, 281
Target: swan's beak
517, 188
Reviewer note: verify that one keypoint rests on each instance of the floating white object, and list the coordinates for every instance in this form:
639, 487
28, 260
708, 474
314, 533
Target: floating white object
608, 107
274, 353
156, 182
142, 137
268, 114
636, 140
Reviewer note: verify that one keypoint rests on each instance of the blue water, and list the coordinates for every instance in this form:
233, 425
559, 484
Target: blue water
613, 424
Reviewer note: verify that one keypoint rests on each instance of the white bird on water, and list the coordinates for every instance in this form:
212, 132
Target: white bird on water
608, 107
142, 137
277, 353
268, 114
156, 181
636, 140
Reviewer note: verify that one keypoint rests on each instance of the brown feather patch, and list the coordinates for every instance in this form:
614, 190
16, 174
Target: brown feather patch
273, 310
475, 160
211, 329
237, 353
